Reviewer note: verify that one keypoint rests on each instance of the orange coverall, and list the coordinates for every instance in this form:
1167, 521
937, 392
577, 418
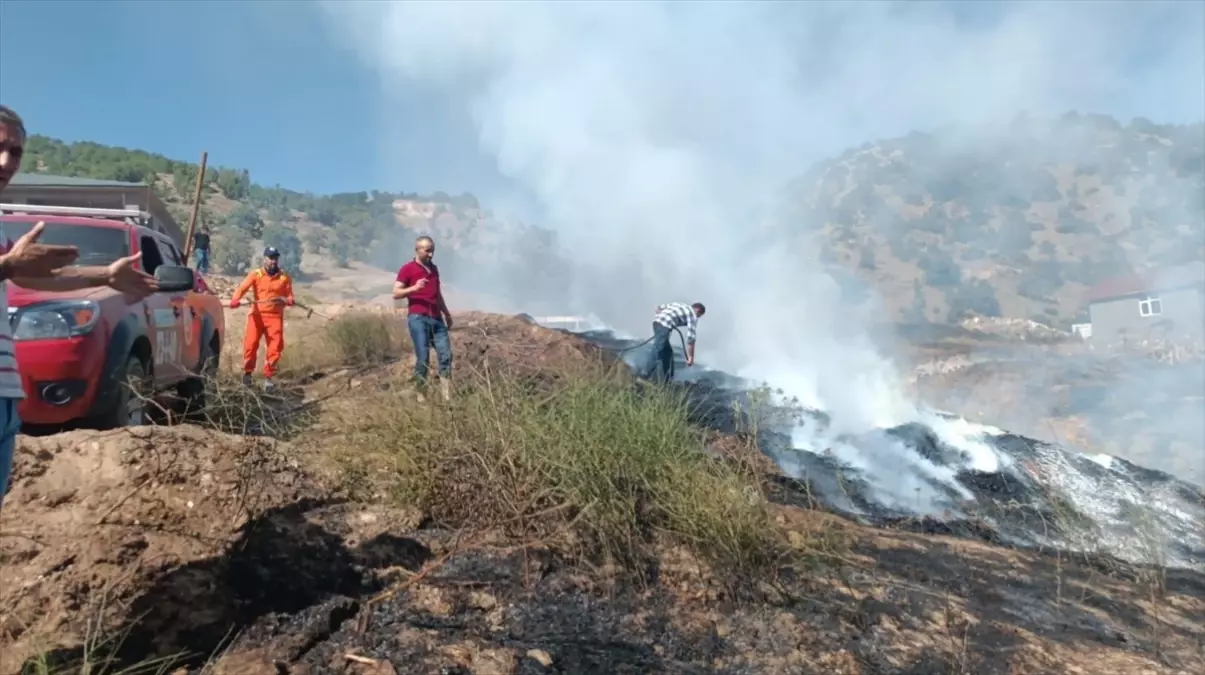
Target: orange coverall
267, 318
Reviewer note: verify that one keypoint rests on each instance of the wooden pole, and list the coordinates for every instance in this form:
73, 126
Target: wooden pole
196, 206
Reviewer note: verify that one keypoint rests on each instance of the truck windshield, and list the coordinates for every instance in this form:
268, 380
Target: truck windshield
97, 245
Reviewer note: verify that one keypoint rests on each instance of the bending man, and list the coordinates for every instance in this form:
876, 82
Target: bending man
660, 367
271, 291
428, 316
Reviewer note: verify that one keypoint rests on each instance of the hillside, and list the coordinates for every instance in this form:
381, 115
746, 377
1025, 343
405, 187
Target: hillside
1015, 221
371, 226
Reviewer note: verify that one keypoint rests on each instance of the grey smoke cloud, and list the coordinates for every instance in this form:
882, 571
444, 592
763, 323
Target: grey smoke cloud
654, 136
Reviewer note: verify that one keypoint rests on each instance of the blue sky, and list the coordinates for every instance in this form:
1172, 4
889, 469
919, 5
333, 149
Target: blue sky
226, 77
273, 87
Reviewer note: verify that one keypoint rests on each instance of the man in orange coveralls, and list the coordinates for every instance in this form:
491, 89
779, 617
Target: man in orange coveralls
271, 290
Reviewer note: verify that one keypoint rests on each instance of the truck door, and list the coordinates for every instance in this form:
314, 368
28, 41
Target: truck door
190, 321
164, 319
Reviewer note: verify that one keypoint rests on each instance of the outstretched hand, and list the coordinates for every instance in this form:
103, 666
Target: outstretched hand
27, 258
124, 277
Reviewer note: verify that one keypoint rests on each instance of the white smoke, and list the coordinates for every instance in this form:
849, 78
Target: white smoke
655, 135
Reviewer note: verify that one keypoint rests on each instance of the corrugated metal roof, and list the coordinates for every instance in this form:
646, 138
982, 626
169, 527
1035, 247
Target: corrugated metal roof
1158, 280
33, 179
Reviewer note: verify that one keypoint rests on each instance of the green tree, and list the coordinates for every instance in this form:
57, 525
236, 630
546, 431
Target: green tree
324, 214
341, 251
976, 297
316, 240
234, 183
232, 251
247, 219
279, 213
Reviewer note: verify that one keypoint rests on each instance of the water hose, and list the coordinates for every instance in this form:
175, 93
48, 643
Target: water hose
681, 339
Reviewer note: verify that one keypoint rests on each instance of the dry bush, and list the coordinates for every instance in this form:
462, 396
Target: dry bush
319, 344
585, 455
366, 338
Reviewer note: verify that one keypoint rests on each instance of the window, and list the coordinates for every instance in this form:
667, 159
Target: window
1150, 306
172, 253
97, 245
151, 257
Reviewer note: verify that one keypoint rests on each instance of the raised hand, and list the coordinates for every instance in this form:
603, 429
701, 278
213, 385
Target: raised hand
27, 258
124, 277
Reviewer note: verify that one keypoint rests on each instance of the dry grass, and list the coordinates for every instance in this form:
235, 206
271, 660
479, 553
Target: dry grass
586, 458
319, 344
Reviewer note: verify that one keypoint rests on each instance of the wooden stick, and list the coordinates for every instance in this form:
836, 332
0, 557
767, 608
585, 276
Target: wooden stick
196, 206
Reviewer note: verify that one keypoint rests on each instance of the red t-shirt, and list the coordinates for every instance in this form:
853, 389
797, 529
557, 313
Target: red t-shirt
426, 300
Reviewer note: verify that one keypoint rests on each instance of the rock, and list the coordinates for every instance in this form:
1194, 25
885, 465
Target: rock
495, 662
540, 656
482, 601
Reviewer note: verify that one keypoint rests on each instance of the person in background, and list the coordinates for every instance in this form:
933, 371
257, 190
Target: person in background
46, 268
200, 244
428, 318
660, 366
271, 291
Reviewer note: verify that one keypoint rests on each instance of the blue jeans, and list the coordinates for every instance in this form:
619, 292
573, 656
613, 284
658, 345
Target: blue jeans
10, 424
660, 365
425, 332
203, 260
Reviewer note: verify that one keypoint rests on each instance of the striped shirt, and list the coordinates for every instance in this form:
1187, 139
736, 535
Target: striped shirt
678, 315
10, 379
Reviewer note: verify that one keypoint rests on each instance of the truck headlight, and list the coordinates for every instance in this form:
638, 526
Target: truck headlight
54, 320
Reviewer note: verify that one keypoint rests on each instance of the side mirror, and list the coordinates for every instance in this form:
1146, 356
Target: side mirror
175, 278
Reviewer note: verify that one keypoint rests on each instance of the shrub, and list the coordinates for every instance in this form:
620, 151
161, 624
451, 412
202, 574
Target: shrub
365, 338
585, 459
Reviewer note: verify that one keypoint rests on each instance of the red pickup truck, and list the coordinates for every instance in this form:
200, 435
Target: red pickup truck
92, 356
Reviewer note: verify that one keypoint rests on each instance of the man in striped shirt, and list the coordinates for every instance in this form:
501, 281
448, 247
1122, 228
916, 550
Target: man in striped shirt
660, 367
41, 267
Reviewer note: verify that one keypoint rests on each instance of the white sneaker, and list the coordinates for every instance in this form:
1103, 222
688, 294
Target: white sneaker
269, 385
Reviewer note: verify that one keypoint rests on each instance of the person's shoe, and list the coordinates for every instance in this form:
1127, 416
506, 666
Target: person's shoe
247, 380
269, 385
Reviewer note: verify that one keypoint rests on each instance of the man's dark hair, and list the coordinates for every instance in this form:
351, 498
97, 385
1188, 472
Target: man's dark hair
9, 117
699, 308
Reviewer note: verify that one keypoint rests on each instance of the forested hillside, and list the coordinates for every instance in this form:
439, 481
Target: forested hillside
239, 211
1018, 221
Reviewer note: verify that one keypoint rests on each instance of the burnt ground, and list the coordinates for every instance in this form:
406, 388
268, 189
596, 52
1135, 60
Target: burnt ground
232, 555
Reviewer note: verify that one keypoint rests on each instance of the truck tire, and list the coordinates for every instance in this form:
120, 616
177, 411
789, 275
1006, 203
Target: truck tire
130, 405
194, 389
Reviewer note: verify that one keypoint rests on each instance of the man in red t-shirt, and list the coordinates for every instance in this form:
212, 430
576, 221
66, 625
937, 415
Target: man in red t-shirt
429, 318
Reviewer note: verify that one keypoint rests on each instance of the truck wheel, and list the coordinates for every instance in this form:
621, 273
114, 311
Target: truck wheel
194, 389
129, 408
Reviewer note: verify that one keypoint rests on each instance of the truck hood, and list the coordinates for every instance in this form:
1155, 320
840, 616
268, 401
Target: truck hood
20, 297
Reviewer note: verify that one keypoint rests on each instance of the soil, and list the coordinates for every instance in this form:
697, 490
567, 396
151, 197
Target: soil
236, 554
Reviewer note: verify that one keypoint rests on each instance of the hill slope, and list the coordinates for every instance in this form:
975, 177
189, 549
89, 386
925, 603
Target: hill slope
1015, 221
368, 226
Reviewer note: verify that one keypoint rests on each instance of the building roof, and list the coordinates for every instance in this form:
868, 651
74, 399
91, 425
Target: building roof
34, 179
1169, 278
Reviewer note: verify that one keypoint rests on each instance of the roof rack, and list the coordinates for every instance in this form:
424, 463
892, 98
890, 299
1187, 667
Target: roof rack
133, 216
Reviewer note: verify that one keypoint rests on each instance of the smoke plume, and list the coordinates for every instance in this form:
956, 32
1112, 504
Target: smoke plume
655, 137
